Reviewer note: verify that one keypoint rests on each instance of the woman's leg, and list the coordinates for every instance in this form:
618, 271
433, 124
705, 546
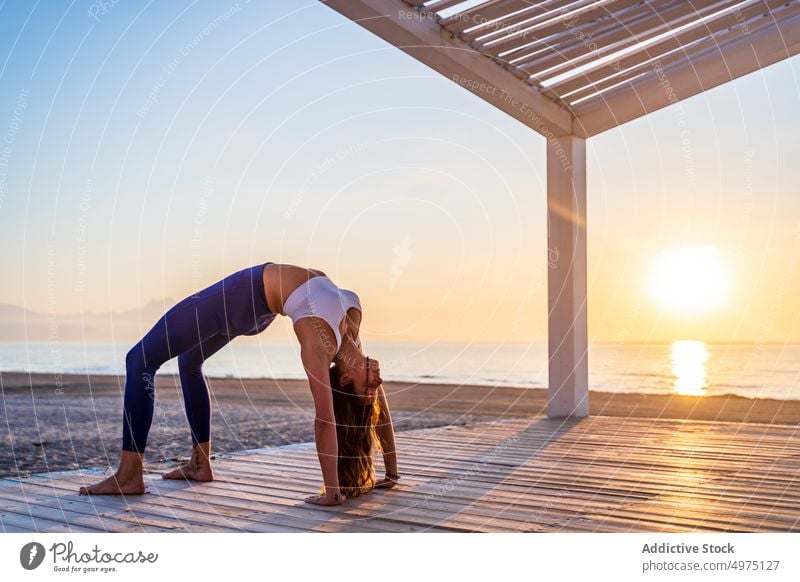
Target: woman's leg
197, 401
196, 397
179, 331
233, 306
182, 328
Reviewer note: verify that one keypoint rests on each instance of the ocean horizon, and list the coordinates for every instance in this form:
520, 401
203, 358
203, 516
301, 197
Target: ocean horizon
682, 367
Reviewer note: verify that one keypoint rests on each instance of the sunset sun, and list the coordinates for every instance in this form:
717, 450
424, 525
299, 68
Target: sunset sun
689, 280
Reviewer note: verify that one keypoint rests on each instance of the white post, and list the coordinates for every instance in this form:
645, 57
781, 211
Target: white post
566, 240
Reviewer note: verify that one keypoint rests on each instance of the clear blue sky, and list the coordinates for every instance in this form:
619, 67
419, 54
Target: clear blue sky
155, 147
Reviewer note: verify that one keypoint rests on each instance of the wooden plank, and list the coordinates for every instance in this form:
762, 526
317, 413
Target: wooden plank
631, 436
648, 460
608, 487
654, 469
122, 514
16, 529
473, 526
559, 37
413, 493
255, 474
593, 474
757, 50
599, 40
516, 22
584, 452
483, 14
256, 509
252, 511
755, 451
678, 514
589, 429
425, 41
441, 5
522, 472
738, 507
584, 14
46, 512
709, 28
703, 47
579, 44
463, 491
438, 509
598, 427
24, 522
626, 460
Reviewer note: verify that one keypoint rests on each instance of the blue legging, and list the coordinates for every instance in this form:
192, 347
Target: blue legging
193, 330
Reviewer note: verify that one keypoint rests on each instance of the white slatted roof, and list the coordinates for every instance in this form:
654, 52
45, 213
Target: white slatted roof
584, 66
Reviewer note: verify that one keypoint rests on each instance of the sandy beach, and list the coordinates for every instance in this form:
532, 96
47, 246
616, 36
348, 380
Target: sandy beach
50, 423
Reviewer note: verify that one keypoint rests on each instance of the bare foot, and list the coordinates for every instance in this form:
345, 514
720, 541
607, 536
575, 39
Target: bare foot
190, 472
116, 485
327, 499
127, 480
198, 468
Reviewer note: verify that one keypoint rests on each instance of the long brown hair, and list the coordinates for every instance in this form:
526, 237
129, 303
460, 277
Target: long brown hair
355, 435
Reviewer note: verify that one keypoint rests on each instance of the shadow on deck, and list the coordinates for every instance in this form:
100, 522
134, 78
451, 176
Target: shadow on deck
598, 474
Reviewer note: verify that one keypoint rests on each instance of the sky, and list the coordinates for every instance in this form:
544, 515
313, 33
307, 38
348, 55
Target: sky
147, 149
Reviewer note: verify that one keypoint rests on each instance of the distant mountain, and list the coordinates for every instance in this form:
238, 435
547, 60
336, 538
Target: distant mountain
18, 324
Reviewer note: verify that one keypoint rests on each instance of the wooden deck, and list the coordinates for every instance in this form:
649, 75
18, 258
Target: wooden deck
599, 474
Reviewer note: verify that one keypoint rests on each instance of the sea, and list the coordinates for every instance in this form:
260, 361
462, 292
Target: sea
681, 367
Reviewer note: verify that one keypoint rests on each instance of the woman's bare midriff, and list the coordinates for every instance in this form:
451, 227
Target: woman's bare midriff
279, 282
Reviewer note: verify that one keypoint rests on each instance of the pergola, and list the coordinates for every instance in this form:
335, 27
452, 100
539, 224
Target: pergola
570, 69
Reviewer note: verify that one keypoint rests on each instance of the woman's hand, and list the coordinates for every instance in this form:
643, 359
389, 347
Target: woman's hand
327, 499
387, 482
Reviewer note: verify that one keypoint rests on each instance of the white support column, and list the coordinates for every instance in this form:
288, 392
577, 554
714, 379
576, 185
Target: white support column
566, 241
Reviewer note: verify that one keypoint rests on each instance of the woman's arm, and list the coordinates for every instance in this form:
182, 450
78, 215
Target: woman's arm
316, 365
385, 433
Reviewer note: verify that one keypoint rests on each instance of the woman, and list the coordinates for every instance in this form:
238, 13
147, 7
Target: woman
349, 400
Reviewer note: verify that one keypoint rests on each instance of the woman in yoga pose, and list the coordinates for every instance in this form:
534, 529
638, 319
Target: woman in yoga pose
351, 412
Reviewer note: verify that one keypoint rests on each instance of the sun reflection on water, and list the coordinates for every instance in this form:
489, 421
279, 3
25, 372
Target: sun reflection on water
689, 367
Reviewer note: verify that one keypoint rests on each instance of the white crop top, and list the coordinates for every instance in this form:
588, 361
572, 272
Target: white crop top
320, 297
